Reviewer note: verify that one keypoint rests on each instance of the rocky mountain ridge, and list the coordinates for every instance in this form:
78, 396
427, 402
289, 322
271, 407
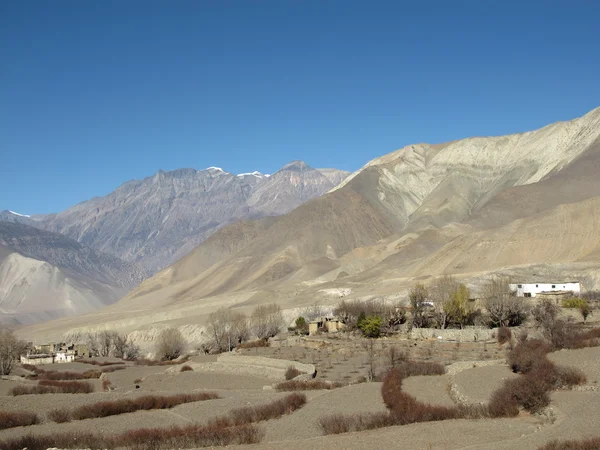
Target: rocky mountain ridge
158, 220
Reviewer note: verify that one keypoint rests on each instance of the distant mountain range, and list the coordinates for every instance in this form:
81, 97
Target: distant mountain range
523, 205
156, 221
93, 253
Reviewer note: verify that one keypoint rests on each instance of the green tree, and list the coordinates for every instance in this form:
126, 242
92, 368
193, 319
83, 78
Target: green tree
301, 325
457, 308
371, 326
361, 318
585, 310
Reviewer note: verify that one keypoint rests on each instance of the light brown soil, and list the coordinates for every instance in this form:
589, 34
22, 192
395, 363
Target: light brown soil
576, 412
478, 384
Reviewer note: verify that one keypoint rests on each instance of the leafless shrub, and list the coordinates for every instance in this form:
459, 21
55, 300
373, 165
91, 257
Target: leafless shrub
152, 362
308, 385
54, 387
94, 362
170, 344
255, 344
144, 403
277, 408
573, 444
292, 372
17, 419
60, 415
526, 355
143, 439
504, 335
186, 368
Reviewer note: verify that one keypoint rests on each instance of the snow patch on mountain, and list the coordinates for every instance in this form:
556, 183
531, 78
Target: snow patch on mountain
17, 214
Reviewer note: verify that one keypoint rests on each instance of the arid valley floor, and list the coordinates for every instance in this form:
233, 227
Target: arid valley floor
246, 378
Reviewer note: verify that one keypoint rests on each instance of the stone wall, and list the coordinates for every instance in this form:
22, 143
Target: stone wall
469, 334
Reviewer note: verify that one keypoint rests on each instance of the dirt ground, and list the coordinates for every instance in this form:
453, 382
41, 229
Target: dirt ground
576, 413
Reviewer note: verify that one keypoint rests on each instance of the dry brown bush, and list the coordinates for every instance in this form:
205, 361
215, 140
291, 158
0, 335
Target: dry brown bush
308, 385
277, 408
582, 444
54, 387
60, 415
17, 419
255, 344
526, 355
186, 368
99, 363
503, 335
143, 439
153, 362
292, 373
147, 402
235, 429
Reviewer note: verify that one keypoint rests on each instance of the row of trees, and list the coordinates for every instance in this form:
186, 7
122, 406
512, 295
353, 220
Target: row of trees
445, 303
229, 328
110, 343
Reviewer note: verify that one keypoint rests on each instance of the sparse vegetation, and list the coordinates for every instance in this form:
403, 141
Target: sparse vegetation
186, 368
11, 419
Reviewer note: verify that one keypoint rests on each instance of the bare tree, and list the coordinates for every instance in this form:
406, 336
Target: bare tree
10, 351
503, 307
93, 344
418, 297
372, 354
228, 329
441, 292
105, 341
170, 344
267, 320
121, 346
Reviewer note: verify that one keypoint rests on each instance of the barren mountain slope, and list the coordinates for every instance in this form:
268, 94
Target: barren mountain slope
45, 275
468, 207
158, 220
408, 191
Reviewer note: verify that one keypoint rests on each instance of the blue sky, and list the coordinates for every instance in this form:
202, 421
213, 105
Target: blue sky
95, 93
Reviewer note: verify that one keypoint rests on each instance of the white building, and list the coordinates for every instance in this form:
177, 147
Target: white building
64, 357
532, 289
